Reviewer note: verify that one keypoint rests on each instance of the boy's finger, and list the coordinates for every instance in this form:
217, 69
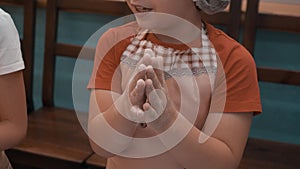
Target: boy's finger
139, 73
136, 114
160, 76
139, 89
149, 113
157, 63
156, 97
146, 59
152, 75
138, 93
149, 87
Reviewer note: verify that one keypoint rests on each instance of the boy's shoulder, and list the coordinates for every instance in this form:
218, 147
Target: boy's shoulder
126, 30
119, 35
130, 26
220, 39
228, 49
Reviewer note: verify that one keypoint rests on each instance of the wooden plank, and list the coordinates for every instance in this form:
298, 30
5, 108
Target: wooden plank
67, 50
234, 22
283, 8
258, 154
255, 18
250, 25
28, 49
39, 3
55, 134
49, 55
11, 2
277, 7
95, 161
278, 76
274, 15
265, 154
278, 22
112, 7
73, 51
24, 160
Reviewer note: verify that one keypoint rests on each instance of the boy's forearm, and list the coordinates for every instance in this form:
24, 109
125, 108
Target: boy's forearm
213, 153
110, 130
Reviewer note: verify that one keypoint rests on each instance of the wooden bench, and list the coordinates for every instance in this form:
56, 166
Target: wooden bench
259, 154
265, 154
261, 15
55, 139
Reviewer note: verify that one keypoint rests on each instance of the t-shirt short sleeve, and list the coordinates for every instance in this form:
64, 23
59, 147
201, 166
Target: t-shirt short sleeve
242, 84
10, 51
241, 91
236, 85
109, 50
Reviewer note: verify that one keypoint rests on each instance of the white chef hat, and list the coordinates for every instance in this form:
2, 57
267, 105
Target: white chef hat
212, 6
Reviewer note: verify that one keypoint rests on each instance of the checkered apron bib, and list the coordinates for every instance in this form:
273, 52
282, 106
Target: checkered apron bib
181, 67
4, 163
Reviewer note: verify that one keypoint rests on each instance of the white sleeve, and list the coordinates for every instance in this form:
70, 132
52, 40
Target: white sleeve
10, 51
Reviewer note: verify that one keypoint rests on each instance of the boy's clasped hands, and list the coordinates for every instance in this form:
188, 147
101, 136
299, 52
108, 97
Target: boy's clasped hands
149, 102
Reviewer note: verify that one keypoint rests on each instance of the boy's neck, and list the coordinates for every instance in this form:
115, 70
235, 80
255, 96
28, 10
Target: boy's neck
185, 31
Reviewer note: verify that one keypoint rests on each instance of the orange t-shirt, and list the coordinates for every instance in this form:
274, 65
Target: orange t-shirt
242, 90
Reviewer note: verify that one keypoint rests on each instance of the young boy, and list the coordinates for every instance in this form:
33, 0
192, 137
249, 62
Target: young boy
171, 91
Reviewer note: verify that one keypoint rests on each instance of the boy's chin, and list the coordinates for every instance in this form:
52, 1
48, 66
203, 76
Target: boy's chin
154, 20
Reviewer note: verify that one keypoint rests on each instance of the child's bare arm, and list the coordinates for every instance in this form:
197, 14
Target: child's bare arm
102, 107
13, 114
221, 150
111, 112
